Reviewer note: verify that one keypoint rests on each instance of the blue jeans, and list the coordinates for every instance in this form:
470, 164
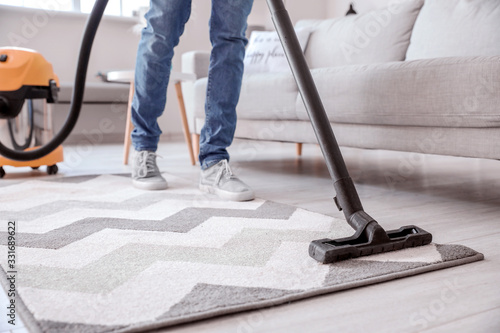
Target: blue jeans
166, 20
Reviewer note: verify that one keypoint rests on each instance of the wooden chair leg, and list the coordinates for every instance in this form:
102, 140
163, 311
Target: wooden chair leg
129, 126
196, 144
185, 126
299, 149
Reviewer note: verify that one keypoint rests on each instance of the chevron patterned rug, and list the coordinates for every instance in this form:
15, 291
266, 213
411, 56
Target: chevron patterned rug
94, 254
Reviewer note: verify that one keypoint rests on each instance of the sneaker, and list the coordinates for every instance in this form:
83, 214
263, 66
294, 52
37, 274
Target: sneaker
219, 180
145, 172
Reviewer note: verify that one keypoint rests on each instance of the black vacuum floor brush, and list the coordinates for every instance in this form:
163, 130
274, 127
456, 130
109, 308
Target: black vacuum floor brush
369, 237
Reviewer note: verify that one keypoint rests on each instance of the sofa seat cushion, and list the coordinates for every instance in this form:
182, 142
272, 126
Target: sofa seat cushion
96, 92
263, 96
444, 92
453, 28
378, 36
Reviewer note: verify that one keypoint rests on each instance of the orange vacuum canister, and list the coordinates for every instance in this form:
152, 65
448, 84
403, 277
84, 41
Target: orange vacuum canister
26, 75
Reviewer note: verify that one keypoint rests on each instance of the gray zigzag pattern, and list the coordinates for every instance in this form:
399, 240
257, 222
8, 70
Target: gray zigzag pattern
121, 265
73, 179
59, 327
342, 272
182, 222
133, 204
53, 179
203, 297
353, 270
114, 269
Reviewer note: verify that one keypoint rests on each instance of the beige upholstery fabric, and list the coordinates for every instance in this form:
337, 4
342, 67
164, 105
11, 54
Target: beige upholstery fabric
378, 36
196, 62
263, 96
445, 92
471, 142
448, 28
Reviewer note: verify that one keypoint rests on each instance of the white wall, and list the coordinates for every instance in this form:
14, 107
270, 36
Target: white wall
57, 36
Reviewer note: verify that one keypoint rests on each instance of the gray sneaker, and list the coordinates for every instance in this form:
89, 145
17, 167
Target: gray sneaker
145, 172
219, 180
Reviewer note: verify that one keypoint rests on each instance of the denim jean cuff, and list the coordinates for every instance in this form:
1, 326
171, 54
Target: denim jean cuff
142, 148
208, 163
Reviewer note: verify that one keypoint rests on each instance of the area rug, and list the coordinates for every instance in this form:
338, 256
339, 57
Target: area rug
94, 254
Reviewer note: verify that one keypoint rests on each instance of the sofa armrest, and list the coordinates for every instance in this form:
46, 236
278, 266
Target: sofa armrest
196, 62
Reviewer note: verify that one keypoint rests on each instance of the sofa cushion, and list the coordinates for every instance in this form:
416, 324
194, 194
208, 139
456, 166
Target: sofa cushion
444, 92
378, 36
263, 96
456, 28
264, 53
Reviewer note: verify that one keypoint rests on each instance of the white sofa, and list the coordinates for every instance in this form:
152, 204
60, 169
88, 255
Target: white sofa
417, 76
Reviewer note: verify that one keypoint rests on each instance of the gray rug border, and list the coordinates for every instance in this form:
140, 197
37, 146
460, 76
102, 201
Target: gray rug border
22, 311
299, 296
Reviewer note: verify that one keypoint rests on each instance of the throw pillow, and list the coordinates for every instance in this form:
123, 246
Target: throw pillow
264, 52
378, 36
453, 28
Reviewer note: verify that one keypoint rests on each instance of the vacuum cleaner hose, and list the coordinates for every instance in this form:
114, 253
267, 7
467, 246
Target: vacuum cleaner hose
78, 91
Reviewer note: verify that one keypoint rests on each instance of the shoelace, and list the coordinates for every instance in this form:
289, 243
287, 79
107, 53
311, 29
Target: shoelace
224, 170
146, 163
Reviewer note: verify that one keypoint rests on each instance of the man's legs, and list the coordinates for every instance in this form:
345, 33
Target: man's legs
166, 20
228, 23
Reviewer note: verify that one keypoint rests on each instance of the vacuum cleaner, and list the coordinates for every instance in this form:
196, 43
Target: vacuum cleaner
369, 237
25, 75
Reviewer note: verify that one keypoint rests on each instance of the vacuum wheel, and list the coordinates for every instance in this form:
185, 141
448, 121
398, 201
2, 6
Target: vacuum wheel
35, 168
52, 169
2, 172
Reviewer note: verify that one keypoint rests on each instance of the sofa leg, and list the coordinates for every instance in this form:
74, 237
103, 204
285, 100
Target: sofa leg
299, 149
196, 145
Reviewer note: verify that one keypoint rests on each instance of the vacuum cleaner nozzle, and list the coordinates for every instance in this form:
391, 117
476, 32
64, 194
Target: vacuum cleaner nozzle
369, 239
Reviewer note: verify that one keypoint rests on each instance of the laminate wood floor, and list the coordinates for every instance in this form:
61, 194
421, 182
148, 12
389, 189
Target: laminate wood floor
456, 199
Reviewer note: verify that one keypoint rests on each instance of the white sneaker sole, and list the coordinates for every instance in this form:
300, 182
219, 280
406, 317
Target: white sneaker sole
231, 196
149, 186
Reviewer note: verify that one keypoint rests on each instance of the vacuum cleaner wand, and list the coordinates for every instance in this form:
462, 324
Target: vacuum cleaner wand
369, 237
